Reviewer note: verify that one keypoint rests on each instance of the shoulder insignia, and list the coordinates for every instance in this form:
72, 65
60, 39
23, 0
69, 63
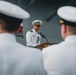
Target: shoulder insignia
31, 31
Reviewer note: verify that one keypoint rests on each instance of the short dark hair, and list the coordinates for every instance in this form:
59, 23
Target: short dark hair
10, 23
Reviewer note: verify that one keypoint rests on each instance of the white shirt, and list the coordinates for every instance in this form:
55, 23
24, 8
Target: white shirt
16, 59
33, 38
60, 59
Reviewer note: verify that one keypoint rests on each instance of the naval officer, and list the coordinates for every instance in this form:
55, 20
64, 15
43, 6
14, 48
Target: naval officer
60, 59
32, 37
15, 58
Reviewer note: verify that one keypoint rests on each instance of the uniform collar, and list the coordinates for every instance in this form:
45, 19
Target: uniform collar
7, 37
71, 38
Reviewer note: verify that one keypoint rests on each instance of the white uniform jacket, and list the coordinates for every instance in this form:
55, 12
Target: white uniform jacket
16, 59
60, 59
33, 38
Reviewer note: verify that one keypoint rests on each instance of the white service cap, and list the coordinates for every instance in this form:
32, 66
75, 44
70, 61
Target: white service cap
37, 22
67, 13
13, 10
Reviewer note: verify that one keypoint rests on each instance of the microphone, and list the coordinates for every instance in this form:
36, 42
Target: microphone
42, 35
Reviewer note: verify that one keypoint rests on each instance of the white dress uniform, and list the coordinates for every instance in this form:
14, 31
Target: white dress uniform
61, 59
16, 59
33, 38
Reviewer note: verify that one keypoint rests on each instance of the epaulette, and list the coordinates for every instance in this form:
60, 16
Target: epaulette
31, 31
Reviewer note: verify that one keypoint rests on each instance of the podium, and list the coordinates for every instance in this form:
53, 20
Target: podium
41, 46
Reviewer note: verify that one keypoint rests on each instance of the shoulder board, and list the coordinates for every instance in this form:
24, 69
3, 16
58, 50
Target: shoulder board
31, 31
